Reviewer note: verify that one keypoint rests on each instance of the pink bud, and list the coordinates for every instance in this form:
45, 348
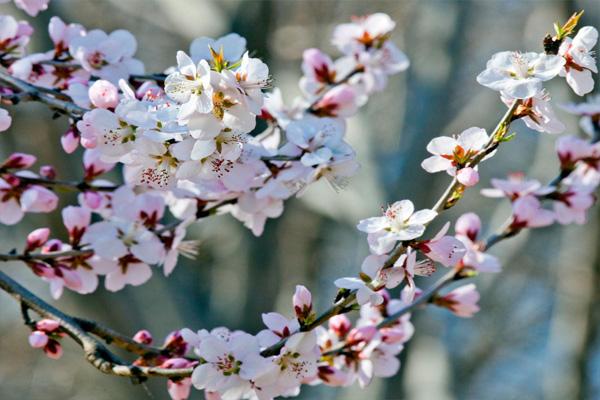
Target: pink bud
104, 94
143, 337
53, 349
340, 325
37, 238
38, 339
468, 225
302, 300
362, 334
47, 325
468, 176
19, 161
48, 172
70, 140
76, 220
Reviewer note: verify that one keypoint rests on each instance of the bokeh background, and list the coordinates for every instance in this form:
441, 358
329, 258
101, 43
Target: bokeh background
537, 336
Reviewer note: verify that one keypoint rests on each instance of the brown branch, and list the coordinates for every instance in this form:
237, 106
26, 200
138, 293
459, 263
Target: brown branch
94, 351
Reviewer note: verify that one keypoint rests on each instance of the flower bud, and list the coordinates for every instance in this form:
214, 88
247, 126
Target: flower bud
19, 161
468, 176
38, 199
104, 94
143, 337
37, 238
53, 349
76, 220
38, 339
70, 140
302, 300
48, 172
47, 325
340, 325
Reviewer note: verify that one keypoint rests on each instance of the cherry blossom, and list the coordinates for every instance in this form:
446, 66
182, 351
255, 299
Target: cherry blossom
14, 36
462, 301
399, 223
520, 75
514, 187
107, 56
528, 212
446, 250
467, 230
536, 112
232, 46
452, 154
579, 60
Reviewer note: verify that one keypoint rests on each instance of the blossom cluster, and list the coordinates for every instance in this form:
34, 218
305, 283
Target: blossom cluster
189, 144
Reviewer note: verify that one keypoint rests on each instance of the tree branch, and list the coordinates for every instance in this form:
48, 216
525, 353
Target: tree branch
94, 351
42, 95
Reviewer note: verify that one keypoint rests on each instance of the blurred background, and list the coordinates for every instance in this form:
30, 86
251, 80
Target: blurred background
537, 336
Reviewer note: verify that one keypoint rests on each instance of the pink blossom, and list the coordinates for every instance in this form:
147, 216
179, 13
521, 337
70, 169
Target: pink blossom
278, 327
341, 101
514, 187
572, 149
462, 301
528, 213
468, 225
467, 229
62, 34
447, 250
571, 205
